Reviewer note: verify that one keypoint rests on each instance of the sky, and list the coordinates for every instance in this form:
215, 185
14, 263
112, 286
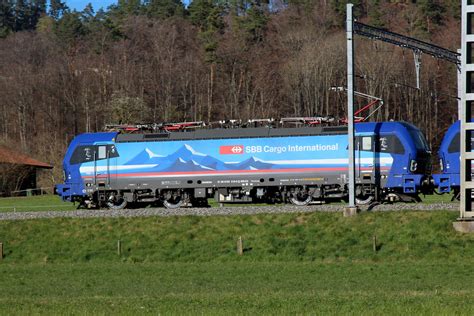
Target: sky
79, 5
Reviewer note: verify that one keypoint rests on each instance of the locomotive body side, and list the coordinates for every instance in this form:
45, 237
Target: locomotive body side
240, 165
448, 181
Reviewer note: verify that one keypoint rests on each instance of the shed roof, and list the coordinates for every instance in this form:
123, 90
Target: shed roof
11, 156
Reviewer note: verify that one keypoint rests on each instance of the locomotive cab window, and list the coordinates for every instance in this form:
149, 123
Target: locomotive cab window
383, 143
455, 144
390, 144
88, 153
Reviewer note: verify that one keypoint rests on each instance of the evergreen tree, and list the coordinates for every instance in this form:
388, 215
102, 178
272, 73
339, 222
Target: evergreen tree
128, 7
374, 13
57, 9
88, 13
432, 14
254, 23
249, 19
69, 28
163, 9
208, 16
7, 18
21, 18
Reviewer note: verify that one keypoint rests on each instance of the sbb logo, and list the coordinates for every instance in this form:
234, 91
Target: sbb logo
231, 150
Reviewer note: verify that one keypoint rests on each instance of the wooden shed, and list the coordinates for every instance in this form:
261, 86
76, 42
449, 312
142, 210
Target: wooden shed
18, 172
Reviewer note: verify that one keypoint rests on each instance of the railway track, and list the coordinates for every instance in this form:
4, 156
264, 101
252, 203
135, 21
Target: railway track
220, 211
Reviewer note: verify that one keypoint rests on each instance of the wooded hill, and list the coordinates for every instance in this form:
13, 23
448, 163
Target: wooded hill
64, 72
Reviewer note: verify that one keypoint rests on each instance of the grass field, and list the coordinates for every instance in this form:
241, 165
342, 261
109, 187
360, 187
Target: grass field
231, 288
293, 263
34, 203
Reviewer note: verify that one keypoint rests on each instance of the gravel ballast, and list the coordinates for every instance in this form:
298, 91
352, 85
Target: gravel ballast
221, 211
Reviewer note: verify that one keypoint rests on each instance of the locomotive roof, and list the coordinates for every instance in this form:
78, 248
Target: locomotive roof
262, 132
371, 127
233, 133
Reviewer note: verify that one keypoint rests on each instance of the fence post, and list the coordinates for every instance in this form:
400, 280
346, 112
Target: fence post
119, 247
1, 251
240, 247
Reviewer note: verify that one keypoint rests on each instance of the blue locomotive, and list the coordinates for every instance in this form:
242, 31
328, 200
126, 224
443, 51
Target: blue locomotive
261, 164
448, 181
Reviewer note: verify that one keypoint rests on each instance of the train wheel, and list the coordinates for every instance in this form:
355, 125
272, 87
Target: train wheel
301, 199
362, 197
115, 202
364, 200
173, 202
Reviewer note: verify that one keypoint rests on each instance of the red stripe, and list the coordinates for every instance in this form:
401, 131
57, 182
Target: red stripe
151, 174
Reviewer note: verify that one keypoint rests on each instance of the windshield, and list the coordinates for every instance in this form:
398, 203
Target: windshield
419, 139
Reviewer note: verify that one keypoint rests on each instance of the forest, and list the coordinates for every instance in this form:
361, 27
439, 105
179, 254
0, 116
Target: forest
64, 72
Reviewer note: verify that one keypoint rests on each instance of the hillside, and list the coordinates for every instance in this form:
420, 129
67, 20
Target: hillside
65, 72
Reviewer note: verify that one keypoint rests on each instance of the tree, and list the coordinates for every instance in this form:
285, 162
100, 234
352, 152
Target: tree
126, 110
375, 14
37, 10
7, 18
431, 14
253, 23
207, 15
69, 28
21, 18
162, 9
57, 8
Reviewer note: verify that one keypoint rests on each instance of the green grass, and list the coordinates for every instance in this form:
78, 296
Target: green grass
284, 237
35, 203
293, 264
250, 288
444, 198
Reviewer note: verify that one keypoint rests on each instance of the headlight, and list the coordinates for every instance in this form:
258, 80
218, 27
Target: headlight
413, 165
441, 166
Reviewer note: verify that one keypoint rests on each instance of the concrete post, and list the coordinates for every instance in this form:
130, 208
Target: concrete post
351, 209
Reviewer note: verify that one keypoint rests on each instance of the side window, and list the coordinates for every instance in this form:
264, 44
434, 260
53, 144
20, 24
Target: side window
102, 154
455, 145
390, 144
87, 153
367, 143
363, 143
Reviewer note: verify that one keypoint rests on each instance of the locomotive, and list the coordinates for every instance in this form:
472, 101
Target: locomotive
300, 165
448, 181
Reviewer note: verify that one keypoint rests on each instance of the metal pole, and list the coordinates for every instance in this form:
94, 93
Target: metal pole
465, 201
350, 103
460, 88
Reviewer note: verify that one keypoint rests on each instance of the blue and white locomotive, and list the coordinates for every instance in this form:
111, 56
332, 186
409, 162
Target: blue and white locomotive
262, 164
